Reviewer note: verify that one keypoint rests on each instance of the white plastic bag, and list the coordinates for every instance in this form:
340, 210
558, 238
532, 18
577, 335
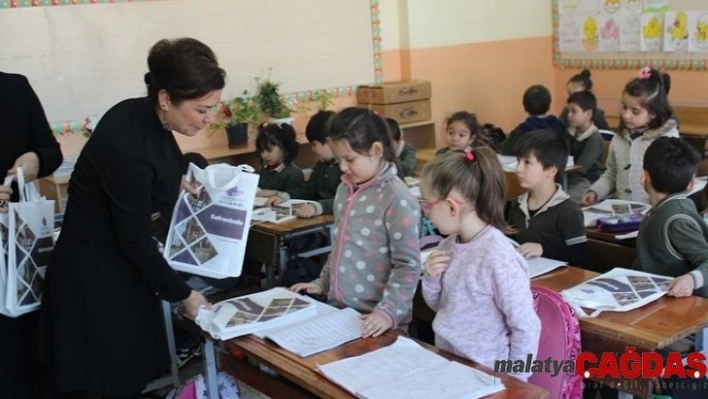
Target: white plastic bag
208, 232
30, 243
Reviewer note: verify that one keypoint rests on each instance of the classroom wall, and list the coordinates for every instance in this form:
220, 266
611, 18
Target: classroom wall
478, 56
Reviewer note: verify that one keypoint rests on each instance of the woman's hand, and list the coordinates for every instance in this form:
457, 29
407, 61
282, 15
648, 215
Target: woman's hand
189, 186
194, 301
29, 162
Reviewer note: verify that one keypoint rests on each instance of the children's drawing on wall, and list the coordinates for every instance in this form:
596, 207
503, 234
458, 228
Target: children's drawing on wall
568, 34
698, 32
656, 5
590, 7
609, 34
630, 32
590, 34
568, 7
611, 6
632, 6
676, 37
651, 32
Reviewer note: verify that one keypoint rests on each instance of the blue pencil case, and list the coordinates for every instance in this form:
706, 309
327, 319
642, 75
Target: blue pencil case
620, 224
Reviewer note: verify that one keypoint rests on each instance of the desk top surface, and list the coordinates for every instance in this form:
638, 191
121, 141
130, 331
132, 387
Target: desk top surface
303, 371
653, 326
294, 225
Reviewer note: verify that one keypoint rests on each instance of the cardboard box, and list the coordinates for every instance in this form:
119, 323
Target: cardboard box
413, 111
394, 92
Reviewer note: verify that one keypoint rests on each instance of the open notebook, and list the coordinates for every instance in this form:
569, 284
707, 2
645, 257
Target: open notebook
407, 370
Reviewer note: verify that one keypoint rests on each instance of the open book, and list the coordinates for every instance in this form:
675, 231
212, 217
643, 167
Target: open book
618, 290
406, 370
251, 313
280, 213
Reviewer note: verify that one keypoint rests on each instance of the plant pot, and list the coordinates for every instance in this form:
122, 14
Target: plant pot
237, 135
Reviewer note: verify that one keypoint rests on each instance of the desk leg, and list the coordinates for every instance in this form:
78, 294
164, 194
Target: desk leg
624, 395
210, 368
564, 182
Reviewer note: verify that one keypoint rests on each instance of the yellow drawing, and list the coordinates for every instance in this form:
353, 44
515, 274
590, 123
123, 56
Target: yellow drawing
652, 30
679, 30
702, 31
590, 31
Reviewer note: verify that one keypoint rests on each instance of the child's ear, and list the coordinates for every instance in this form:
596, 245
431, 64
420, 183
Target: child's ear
644, 179
376, 150
551, 172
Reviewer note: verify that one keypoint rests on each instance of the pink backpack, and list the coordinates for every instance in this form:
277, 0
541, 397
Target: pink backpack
560, 340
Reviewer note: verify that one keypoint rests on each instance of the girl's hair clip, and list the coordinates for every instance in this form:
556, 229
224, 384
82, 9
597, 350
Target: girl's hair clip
469, 155
645, 73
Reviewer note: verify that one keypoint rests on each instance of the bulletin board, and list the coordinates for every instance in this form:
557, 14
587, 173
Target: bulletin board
621, 34
84, 56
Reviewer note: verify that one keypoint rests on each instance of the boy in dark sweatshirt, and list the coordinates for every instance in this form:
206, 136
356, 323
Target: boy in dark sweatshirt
673, 239
325, 177
537, 103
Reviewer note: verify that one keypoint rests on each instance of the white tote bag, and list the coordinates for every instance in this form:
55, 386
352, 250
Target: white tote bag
30, 244
208, 232
4, 229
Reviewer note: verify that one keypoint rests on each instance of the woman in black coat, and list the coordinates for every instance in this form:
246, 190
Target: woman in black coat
101, 320
25, 141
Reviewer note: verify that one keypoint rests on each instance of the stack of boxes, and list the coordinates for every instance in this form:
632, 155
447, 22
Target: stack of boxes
406, 102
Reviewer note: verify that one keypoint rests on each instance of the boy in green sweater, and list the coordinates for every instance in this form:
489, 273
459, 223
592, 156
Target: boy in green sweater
325, 176
673, 239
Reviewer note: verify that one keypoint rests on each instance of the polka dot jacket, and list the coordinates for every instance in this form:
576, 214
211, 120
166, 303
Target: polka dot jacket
375, 262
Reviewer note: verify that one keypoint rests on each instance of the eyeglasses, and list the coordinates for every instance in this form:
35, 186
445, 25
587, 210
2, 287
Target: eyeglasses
426, 206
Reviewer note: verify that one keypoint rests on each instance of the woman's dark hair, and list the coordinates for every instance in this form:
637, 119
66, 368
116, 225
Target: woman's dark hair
279, 135
480, 180
186, 68
361, 128
651, 91
582, 78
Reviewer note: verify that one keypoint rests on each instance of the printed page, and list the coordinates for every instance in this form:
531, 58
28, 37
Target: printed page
540, 265
319, 333
403, 358
446, 381
618, 290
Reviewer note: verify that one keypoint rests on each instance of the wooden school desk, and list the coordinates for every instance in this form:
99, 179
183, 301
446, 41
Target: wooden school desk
651, 327
267, 242
299, 378
606, 252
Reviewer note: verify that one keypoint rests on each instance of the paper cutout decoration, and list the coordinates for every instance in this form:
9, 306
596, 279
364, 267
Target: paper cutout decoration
676, 33
611, 6
698, 31
656, 5
632, 6
568, 34
568, 7
590, 34
651, 32
631, 32
590, 7
609, 34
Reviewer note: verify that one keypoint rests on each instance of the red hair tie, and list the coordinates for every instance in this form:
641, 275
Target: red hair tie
470, 155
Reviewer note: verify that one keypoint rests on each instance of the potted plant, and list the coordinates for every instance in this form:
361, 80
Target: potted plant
236, 115
270, 103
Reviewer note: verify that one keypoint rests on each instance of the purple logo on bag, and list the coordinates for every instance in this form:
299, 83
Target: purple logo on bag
234, 192
222, 221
